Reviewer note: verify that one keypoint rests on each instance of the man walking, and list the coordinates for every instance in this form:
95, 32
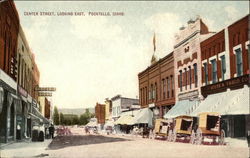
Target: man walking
51, 130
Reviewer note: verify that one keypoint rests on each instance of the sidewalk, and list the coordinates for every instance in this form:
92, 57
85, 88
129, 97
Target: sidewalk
24, 149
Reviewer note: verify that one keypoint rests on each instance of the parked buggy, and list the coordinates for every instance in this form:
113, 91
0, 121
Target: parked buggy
182, 129
209, 127
161, 129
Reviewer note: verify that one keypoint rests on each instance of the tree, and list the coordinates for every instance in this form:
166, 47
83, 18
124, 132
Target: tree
56, 116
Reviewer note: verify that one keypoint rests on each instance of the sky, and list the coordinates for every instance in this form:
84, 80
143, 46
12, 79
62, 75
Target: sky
90, 58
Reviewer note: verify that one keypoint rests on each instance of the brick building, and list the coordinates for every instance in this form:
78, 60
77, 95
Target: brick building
225, 76
156, 86
100, 113
9, 28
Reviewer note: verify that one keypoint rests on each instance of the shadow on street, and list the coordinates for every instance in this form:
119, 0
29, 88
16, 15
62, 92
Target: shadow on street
60, 142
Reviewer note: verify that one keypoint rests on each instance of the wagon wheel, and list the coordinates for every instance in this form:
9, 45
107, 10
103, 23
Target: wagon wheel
222, 137
169, 136
192, 137
199, 137
174, 136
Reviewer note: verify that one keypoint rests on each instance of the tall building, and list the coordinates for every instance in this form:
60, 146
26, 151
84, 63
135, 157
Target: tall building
225, 68
156, 86
9, 28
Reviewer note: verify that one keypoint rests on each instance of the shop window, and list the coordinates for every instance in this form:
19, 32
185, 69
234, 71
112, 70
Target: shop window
223, 67
195, 75
214, 71
180, 80
206, 73
239, 65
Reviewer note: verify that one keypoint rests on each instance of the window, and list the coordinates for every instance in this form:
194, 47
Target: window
156, 89
164, 88
239, 65
195, 75
248, 47
172, 83
223, 67
214, 70
168, 82
206, 73
186, 77
180, 80
190, 77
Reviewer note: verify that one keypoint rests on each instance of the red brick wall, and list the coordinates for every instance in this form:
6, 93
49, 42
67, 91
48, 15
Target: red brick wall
210, 47
238, 34
154, 75
100, 113
9, 28
47, 108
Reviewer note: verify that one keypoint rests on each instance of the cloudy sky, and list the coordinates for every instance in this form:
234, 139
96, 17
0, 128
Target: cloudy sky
90, 58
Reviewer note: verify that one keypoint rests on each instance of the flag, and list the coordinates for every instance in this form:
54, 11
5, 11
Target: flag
154, 42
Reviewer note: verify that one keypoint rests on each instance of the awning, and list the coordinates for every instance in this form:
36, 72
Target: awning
145, 115
183, 107
125, 120
92, 124
226, 103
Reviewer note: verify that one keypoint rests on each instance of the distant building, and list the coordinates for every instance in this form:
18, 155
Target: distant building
100, 113
108, 109
120, 104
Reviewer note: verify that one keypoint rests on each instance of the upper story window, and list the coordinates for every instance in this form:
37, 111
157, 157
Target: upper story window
180, 80
185, 78
195, 75
164, 88
223, 67
214, 70
206, 73
190, 77
168, 82
239, 64
172, 83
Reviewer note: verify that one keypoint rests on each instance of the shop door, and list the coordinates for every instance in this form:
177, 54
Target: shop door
239, 126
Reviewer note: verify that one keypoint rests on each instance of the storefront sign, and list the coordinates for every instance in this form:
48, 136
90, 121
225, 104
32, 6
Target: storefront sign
191, 94
45, 89
44, 94
233, 83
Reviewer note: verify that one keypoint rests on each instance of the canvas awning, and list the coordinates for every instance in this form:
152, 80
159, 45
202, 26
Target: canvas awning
91, 124
226, 103
183, 107
145, 115
125, 120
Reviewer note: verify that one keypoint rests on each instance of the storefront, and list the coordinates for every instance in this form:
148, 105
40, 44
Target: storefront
233, 105
8, 103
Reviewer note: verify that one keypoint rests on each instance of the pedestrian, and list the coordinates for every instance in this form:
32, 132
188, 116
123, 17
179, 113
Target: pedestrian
51, 131
18, 132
